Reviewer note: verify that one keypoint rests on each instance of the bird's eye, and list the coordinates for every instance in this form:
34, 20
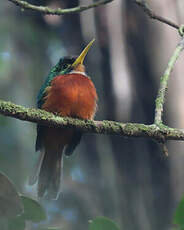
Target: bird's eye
65, 66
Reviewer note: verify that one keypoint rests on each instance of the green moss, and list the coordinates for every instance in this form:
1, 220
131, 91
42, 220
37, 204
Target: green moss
156, 131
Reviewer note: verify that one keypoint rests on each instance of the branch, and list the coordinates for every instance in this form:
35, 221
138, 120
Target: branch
164, 79
159, 133
152, 15
164, 82
58, 11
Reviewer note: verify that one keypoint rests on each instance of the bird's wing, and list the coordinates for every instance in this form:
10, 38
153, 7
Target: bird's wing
73, 143
41, 94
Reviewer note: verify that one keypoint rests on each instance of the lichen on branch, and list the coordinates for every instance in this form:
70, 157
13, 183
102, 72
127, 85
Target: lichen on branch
158, 133
159, 103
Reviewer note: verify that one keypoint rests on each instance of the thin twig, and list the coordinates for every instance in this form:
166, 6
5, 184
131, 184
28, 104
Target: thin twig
152, 15
58, 11
164, 82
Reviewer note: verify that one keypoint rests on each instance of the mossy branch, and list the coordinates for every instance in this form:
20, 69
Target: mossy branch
164, 82
58, 11
159, 133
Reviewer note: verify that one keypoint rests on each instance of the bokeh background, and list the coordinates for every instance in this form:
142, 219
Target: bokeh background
125, 179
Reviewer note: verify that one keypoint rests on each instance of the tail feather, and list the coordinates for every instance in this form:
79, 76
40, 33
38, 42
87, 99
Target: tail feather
51, 142
36, 170
50, 174
55, 183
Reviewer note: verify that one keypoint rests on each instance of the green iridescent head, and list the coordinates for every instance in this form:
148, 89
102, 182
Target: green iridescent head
64, 65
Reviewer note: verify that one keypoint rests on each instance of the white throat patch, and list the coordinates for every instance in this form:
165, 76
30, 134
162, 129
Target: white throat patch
78, 72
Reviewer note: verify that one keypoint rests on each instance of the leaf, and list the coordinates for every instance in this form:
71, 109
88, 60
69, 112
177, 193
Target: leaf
17, 223
10, 202
51, 228
32, 210
179, 228
179, 214
4, 224
102, 223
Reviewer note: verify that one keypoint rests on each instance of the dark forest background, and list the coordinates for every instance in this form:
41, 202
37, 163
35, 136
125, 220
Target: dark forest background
127, 180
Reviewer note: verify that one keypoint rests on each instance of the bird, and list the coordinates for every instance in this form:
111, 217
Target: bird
68, 92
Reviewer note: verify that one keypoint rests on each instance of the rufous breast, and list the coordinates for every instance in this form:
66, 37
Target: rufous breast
72, 95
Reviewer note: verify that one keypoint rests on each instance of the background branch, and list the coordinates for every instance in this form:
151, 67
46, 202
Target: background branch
58, 11
143, 4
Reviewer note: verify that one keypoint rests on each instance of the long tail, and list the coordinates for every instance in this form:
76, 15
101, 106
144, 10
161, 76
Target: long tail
50, 173
51, 142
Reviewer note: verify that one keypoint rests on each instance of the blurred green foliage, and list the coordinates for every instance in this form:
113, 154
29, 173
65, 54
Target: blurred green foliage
26, 209
10, 202
102, 223
32, 210
178, 219
16, 209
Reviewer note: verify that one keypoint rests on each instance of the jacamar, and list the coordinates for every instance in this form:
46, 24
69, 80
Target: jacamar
67, 91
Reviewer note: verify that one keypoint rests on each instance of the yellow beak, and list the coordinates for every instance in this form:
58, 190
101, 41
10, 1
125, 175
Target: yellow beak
81, 57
